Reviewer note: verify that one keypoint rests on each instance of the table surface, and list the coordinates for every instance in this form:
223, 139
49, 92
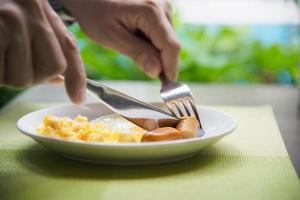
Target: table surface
284, 101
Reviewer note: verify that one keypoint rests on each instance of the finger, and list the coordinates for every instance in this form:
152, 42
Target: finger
168, 10
4, 38
75, 77
48, 60
18, 71
58, 80
142, 52
2, 67
18, 65
157, 27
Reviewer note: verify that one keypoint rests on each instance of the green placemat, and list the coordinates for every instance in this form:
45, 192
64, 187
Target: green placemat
251, 163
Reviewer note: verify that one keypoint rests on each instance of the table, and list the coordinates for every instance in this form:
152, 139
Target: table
283, 99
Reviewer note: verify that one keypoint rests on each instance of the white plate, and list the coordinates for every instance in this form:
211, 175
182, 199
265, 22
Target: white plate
217, 124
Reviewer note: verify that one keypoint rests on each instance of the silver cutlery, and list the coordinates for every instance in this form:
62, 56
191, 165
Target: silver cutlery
179, 100
140, 113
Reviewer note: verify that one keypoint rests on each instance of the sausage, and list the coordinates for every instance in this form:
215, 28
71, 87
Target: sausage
188, 127
162, 134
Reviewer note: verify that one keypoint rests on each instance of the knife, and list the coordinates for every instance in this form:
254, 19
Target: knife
138, 112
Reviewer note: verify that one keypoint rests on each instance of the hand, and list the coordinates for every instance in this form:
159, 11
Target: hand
114, 24
35, 46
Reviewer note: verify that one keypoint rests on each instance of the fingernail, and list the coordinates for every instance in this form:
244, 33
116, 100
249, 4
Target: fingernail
153, 67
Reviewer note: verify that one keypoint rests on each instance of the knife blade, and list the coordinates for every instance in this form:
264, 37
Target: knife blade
138, 112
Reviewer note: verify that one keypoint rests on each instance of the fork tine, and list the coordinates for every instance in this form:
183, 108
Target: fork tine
192, 104
178, 108
194, 110
171, 109
185, 107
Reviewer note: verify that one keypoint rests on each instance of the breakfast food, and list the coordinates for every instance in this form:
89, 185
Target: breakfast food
162, 134
109, 129
112, 128
188, 127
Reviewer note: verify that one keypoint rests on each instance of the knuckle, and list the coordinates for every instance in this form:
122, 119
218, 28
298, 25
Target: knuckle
151, 6
175, 45
138, 55
35, 3
11, 14
58, 23
71, 42
44, 28
36, 8
147, 60
57, 20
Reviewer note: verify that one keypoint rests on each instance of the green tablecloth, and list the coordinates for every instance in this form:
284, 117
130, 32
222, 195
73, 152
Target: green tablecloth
251, 163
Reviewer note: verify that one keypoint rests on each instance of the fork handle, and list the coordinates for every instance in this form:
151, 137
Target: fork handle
164, 80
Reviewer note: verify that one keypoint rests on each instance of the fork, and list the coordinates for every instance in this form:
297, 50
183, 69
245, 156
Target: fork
179, 99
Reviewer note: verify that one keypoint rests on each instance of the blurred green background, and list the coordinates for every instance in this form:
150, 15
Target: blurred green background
210, 54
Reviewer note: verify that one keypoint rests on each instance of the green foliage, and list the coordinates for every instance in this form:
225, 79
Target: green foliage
7, 94
230, 56
227, 55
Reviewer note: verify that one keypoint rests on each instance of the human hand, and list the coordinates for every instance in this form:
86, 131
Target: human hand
35, 46
114, 24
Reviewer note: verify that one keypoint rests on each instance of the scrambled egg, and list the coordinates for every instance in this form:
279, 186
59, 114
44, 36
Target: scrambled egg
81, 129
